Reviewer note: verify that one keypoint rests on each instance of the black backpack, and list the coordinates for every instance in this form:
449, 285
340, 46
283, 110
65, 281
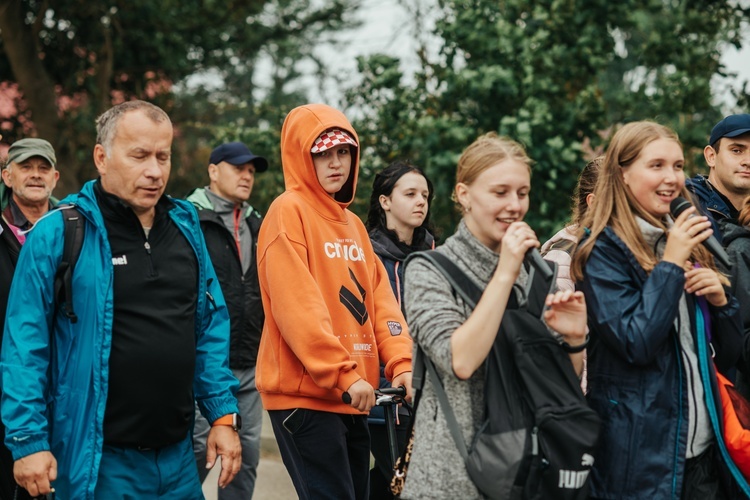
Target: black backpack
539, 437
73, 241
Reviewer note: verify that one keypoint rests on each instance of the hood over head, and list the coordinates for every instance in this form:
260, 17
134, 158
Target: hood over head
302, 127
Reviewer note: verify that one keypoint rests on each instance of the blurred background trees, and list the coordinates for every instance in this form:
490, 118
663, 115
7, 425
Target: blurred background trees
63, 63
557, 75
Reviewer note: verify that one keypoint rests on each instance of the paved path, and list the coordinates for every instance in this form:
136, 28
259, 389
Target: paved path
273, 481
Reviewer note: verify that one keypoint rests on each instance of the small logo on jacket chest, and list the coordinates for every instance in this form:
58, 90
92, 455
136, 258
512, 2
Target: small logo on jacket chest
120, 261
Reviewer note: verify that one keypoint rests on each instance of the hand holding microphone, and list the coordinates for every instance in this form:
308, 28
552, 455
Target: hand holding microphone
694, 232
519, 244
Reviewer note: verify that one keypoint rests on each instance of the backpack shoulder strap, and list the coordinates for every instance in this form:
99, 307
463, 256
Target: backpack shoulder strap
450, 417
422, 364
462, 284
73, 241
538, 287
563, 245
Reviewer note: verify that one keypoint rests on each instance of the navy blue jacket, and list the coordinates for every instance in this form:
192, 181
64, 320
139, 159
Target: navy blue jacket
393, 256
241, 291
635, 371
711, 203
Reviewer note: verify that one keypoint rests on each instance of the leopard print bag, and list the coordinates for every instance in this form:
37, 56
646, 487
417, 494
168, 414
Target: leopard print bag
402, 466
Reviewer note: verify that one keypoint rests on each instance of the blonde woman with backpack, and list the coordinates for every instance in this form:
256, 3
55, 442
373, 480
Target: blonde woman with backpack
492, 190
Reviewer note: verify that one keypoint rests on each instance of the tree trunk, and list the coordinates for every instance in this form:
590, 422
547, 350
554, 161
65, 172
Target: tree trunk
20, 47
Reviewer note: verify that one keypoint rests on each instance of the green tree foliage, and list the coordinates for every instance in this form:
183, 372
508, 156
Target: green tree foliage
73, 59
553, 74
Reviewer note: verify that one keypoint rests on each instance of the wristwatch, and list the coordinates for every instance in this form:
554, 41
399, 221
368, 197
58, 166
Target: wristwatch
232, 419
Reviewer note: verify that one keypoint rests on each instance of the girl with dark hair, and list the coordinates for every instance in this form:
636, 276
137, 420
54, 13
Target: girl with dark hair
398, 219
398, 224
658, 312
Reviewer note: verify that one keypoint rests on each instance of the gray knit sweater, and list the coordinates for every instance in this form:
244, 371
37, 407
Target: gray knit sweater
436, 470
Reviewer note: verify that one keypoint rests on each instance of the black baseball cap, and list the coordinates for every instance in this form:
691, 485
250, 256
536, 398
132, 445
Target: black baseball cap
237, 153
731, 126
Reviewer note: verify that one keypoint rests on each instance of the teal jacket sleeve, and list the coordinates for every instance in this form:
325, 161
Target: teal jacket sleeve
26, 352
215, 386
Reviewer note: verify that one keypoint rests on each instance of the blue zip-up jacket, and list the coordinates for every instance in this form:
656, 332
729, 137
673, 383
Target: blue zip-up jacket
54, 372
711, 203
635, 370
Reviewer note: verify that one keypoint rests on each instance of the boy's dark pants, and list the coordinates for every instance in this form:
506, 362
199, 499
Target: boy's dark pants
326, 454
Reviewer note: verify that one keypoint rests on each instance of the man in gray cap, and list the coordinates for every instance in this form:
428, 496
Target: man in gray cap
230, 226
29, 177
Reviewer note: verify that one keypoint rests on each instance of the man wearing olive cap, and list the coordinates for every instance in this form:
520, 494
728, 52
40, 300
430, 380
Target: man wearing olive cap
29, 177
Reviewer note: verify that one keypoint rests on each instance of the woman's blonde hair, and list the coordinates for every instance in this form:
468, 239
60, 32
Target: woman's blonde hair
485, 152
615, 205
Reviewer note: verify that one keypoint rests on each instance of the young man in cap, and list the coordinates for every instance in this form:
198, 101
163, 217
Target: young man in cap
722, 195
29, 177
331, 316
230, 226
727, 154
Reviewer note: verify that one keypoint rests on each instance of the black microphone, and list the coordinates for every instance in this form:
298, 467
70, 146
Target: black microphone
678, 206
534, 258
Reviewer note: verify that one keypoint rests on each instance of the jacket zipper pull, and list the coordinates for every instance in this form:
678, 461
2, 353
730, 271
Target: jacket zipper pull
208, 294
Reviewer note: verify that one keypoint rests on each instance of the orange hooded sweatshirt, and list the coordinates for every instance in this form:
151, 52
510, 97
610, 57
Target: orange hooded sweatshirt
330, 313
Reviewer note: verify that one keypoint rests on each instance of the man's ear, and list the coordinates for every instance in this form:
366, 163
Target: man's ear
6, 177
709, 153
213, 172
100, 159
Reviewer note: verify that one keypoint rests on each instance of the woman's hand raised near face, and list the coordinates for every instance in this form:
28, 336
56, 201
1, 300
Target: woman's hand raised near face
518, 239
687, 233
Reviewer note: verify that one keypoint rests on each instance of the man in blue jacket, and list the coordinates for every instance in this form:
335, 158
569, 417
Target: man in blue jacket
102, 407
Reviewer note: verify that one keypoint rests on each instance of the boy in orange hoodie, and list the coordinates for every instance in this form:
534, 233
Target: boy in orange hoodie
330, 313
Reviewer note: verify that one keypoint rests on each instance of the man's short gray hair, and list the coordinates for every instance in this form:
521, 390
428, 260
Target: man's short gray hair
106, 124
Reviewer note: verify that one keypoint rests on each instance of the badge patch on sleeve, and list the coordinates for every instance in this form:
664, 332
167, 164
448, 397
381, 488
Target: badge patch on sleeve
395, 328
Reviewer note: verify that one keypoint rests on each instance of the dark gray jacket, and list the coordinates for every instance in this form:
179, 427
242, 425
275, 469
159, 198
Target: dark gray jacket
737, 242
241, 291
